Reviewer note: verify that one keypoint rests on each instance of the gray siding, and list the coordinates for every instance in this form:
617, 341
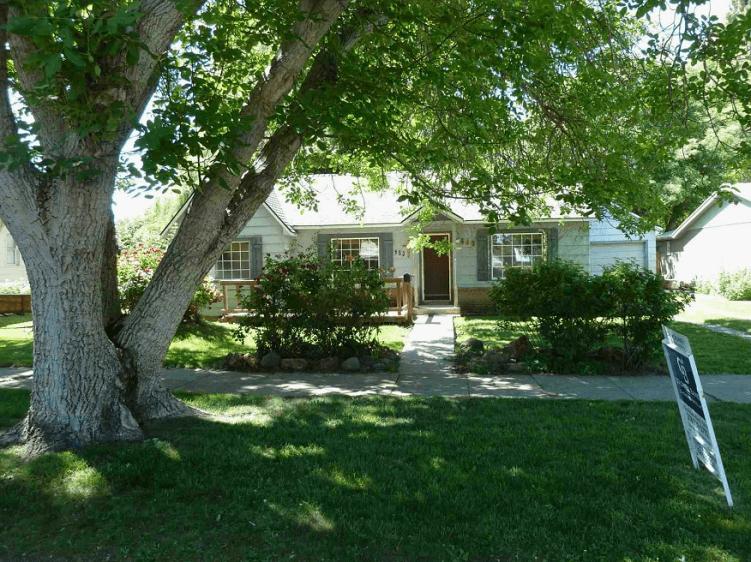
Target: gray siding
573, 245
274, 240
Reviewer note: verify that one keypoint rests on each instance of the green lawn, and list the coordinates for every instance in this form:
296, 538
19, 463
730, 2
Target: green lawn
712, 309
487, 329
204, 345
15, 340
385, 479
715, 353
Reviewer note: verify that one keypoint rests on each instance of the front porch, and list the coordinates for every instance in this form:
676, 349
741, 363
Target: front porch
401, 293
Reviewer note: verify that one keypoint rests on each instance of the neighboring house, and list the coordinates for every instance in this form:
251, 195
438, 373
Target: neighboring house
12, 270
713, 239
381, 238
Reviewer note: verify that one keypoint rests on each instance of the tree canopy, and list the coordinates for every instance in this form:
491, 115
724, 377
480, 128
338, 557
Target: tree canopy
503, 103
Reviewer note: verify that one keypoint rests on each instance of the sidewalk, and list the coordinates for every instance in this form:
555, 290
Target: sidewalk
725, 388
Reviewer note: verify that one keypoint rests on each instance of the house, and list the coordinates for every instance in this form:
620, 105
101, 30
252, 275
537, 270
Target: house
380, 236
713, 239
12, 270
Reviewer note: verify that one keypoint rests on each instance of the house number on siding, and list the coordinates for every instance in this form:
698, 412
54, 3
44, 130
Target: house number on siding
402, 253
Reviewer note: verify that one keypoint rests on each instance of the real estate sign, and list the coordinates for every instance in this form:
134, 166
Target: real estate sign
692, 405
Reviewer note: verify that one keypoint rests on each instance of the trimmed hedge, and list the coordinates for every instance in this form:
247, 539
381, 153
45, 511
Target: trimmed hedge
575, 314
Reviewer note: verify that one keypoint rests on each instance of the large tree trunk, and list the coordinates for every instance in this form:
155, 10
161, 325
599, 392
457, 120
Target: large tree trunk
90, 386
78, 395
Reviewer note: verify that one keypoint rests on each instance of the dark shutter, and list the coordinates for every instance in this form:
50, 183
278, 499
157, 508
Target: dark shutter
386, 249
324, 246
256, 256
483, 255
552, 234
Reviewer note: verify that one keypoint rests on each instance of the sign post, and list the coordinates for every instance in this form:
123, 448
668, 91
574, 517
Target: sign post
697, 424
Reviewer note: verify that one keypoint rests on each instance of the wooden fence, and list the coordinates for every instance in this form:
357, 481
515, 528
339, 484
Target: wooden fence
401, 297
15, 304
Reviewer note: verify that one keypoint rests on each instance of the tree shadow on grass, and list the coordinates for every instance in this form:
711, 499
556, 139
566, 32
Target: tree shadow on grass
204, 345
386, 479
16, 353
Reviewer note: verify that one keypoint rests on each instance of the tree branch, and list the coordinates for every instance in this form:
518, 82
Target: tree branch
157, 27
274, 155
16, 195
7, 120
198, 240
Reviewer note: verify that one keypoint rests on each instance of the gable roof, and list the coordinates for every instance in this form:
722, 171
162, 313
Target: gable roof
742, 193
375, 208
272, 204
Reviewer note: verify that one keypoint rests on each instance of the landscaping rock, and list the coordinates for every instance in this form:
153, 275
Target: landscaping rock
472, 346
240, 362
271, 360
328, 364
294, 364
519, 348
496, 361
516, 367
612, 355
351, 364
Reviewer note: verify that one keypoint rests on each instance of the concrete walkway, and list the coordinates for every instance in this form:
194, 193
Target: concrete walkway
426, 362
426, 369
725, 388
723, 330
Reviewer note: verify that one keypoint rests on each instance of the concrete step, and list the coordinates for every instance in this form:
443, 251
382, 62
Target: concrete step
436, 309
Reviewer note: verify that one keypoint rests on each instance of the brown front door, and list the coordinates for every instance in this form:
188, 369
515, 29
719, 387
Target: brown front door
436, 279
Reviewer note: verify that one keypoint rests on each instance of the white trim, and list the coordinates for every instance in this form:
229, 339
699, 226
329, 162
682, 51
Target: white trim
349, 226
183, 209
451, 215
700, 210
472, 222
283, 224
451, 269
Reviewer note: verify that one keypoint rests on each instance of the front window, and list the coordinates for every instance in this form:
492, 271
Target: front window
516, 249
234, 263
346, 250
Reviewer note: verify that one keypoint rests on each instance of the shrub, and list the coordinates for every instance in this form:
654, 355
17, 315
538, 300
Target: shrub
735, 286
304, 307
704, 286
564, 304
15, 288
639, 306
574, 313
135, 268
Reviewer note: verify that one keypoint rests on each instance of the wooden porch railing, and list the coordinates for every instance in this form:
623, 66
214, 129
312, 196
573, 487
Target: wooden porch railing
399, 288
238, 286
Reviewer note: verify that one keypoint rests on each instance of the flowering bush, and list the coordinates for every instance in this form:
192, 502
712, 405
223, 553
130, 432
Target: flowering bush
304, 307
135, 268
